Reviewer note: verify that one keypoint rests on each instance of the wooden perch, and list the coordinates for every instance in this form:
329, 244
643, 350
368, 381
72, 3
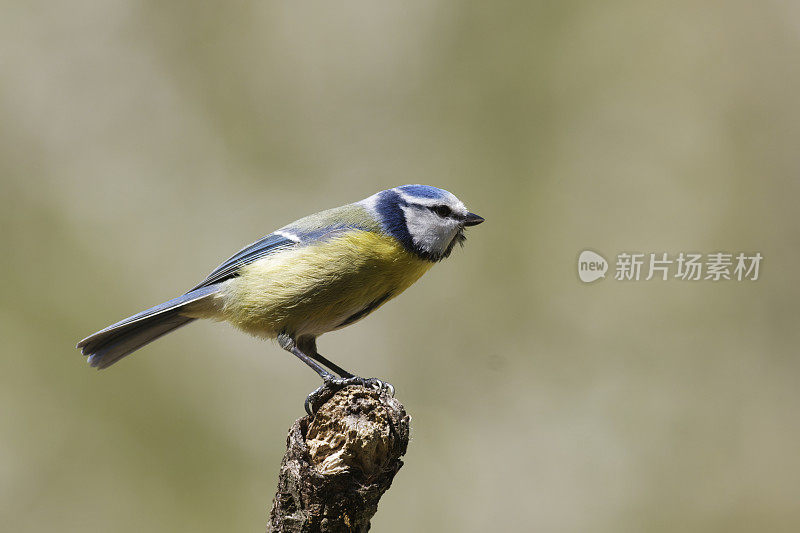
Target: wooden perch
339, 463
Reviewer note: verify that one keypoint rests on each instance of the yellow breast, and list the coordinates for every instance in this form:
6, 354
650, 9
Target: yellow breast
313, 289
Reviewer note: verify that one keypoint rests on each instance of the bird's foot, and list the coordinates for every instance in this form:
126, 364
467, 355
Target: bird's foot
331, 386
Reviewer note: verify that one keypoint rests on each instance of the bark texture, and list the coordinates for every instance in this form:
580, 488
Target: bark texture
339, 463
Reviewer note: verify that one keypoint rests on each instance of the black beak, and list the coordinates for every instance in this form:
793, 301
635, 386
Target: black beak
472, 219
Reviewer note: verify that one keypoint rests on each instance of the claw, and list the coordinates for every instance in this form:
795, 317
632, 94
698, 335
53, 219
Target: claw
307, 405
312, 398
332, 385
375, 384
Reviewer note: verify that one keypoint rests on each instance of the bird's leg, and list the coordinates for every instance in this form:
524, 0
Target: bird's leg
289, 344
309, 345
331, 384
330, 364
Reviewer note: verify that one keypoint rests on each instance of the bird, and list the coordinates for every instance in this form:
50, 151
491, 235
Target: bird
318, 274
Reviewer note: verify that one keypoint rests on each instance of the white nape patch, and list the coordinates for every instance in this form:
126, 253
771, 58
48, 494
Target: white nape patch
286, 235
370, 203
429, 231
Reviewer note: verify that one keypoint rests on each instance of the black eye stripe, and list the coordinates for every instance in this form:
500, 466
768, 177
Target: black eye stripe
441, 210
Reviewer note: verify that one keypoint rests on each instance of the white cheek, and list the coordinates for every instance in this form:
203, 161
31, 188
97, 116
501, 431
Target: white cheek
430, 232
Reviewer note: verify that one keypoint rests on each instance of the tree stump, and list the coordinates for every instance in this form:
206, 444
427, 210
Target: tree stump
339, 463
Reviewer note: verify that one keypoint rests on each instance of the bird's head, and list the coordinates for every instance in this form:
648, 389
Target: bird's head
428, 221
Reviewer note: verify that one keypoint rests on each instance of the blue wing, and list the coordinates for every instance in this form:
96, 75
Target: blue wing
266, 245
308, 230
272, 243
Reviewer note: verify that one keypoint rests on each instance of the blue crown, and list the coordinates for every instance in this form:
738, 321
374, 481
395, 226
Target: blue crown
424, 191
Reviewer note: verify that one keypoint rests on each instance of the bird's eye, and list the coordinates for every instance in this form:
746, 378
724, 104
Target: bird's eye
441, 210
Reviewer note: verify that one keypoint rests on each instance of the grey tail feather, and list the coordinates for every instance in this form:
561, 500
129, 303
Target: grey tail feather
111, 344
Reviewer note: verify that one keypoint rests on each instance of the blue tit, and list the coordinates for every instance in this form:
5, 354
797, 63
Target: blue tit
318, 274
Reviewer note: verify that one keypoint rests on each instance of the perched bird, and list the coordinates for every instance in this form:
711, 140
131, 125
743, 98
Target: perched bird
318, 274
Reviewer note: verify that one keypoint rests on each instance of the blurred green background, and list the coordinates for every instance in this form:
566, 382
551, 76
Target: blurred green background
141, 143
